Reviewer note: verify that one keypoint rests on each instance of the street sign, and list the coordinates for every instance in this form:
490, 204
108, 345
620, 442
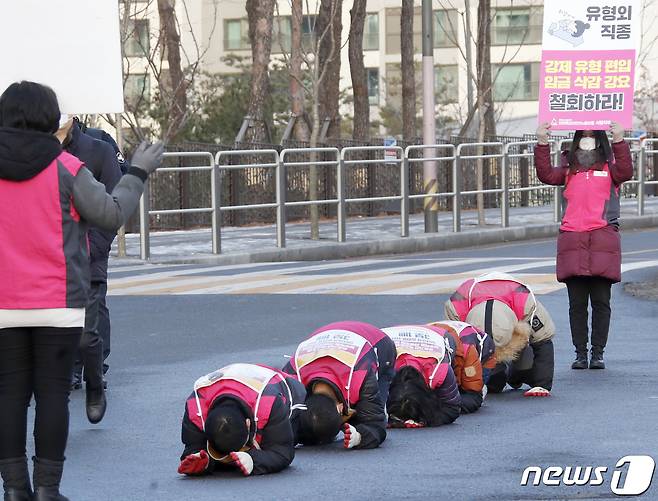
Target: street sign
390, 155
73, 46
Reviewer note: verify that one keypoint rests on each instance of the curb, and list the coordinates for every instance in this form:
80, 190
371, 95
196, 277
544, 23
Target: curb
409, 245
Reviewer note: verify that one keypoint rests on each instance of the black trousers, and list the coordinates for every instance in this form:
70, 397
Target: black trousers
582, 292
36, 361
95, 341
539, 373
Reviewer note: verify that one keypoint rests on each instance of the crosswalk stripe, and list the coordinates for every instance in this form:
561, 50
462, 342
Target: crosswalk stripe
401, 277
181, 278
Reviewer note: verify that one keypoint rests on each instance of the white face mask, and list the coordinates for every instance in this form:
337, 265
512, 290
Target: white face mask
587, 143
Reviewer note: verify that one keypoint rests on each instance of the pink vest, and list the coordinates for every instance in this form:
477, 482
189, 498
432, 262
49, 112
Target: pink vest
43, 224
413, 342
257, 386
337, 354
478, 290
588, 195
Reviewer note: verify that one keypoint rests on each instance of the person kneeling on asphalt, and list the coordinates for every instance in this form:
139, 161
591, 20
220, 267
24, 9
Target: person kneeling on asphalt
346, 368
472, 360
424, 390
241, 416
521, 328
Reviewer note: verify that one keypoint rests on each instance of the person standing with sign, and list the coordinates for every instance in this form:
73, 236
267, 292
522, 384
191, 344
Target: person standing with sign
588, 245
346, 369
47, 200
424, 390
241, 416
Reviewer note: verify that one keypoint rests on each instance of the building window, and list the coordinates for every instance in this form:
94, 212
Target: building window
137, 38
516, 82
137, 89
372, 75
393, 30
445, 28
371, 32
236, 34
446, 83
281, 34
517, 26
308, 33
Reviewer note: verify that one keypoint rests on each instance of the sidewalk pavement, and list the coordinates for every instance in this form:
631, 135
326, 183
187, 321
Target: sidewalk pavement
365, 237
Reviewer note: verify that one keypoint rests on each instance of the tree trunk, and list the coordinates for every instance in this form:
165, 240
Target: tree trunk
330, 13
487, 125
171, 41
483, 63
260, 14
301, 131
358, 71
313, 169
407, 71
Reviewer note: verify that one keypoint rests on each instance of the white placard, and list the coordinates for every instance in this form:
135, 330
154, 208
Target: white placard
73, 46
592, 25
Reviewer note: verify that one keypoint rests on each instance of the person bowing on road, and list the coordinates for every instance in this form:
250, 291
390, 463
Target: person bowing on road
424, 390
522, 330
346, 368
241, 416
472, 361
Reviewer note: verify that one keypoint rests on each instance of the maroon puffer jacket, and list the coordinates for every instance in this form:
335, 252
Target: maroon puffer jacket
595, 253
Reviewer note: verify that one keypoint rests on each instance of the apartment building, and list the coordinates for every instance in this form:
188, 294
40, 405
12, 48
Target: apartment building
221, 28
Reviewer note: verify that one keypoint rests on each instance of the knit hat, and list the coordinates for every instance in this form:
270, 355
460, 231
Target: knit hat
499, 321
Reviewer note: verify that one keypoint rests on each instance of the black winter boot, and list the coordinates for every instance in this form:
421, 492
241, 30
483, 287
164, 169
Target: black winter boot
581, 359
96, 404
596, 362
47, 476
16, 479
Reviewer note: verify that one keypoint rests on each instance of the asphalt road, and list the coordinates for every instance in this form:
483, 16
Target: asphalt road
162, 343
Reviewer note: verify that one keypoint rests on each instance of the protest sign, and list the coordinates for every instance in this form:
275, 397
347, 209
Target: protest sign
73, 46
588, 63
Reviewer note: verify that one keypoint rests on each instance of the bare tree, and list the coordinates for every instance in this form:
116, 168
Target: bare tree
317, 72
301, 130
330, 16
358, 71
483, 63
260, 14
145, 52
407, 69
172, 44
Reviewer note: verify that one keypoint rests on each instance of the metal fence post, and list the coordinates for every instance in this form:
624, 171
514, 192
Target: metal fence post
281, 186
641, 176
404, 194
504, 203
341, 209
144, 240
216, 196
456, 199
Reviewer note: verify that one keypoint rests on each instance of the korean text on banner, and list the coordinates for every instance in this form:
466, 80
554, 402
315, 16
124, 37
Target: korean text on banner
73, 46
588, 63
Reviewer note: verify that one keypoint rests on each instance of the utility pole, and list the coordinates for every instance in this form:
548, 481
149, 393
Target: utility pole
430, 205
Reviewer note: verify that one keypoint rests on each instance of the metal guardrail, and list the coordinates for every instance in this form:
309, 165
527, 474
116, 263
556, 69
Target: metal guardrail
344, 159
145, 212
